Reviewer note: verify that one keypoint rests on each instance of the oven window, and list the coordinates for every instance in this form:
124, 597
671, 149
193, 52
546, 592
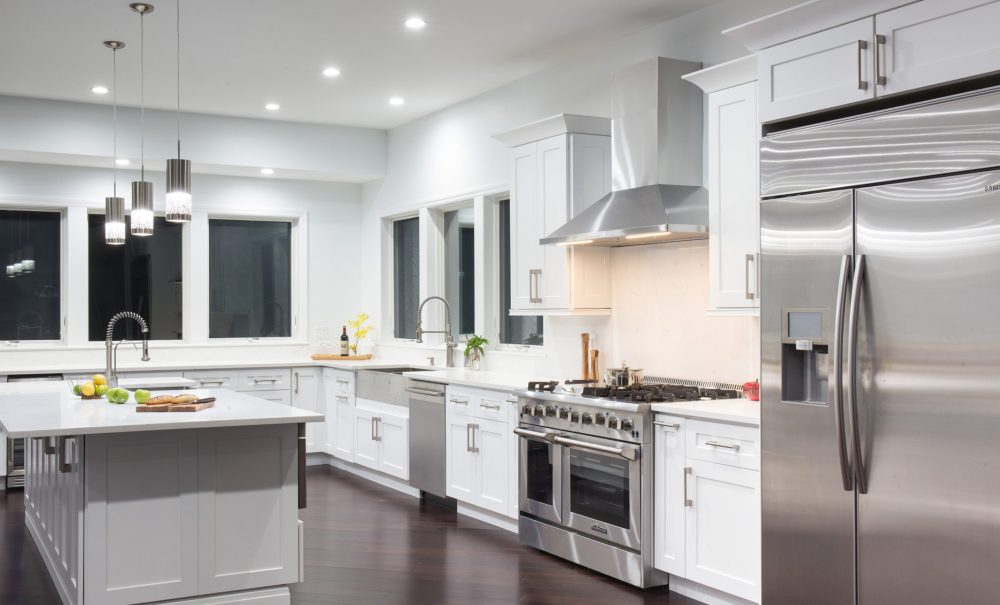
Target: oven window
599, 487
539, 471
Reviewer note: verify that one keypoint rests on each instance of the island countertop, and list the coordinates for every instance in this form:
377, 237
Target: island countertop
49, 409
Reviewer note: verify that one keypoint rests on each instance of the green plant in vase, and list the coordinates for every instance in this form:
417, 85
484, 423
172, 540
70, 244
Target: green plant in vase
474, 351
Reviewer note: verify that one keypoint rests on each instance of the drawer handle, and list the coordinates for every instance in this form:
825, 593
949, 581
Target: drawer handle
459, 401
217, 383
341, 397
726, 446
342, 381
64, 466
687, 473
670, 425
862, 46
265, 380
490, 406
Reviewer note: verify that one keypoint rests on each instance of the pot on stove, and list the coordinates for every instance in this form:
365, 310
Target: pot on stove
623, 376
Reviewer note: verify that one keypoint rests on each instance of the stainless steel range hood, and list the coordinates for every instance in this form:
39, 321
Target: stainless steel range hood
656, 175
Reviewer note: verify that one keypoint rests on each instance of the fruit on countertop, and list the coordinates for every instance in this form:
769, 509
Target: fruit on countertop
78, 389
99, 379
101, 390
88, 389
142, 396
117, 395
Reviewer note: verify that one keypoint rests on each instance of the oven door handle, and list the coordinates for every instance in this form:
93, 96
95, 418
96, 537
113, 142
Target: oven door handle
550, 437
628, 453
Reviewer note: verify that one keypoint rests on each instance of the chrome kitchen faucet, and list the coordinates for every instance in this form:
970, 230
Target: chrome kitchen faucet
111, 353
447, 328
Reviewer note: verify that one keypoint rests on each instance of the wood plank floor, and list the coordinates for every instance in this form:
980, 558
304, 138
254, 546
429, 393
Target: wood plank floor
369, 545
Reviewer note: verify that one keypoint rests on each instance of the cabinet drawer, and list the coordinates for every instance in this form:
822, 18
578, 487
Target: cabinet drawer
478, 403
729, 444
214, 379
283, 397
265, 379
340, 382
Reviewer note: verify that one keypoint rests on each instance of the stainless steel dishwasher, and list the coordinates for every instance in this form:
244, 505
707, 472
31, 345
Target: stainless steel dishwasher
428, 458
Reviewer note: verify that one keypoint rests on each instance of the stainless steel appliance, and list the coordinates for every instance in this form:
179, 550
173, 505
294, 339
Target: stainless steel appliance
15, 447
428, 437
585, 473
880, 357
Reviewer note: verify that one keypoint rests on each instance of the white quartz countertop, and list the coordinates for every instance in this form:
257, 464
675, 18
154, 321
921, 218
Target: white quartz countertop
741, 411
49, 409
482, 379
170, 366
157, 383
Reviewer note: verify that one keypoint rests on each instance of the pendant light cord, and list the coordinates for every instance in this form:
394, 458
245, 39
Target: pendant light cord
178, 79
142, 100
114, 119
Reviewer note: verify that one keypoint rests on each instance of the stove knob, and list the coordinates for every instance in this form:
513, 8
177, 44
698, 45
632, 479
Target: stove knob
574, 416
550, 410
538, 411
587, 418
525, 409
613, 422
626, 424
564, 413
599, 418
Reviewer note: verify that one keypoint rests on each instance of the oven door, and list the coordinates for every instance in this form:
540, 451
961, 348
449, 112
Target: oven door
602, 488
539, 474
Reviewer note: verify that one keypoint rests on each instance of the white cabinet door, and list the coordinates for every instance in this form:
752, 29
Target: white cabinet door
365, 439
552, 213
462, 469
733, 141
306, 395
491, 444
827, 69
669, 523
937, 41
342, 432
525, 252
723, 528
393, 434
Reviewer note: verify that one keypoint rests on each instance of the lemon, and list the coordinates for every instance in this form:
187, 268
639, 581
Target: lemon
99, 379
88, 389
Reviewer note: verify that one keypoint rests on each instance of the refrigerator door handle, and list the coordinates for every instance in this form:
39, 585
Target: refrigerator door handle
838, 371
852, 371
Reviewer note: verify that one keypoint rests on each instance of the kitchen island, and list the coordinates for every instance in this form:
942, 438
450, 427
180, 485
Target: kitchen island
194, 508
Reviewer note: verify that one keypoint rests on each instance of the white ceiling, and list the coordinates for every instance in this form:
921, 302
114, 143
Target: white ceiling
239, 54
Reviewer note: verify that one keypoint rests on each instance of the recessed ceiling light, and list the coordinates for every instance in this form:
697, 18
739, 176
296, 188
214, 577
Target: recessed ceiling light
272, 107
415, 23
100, 90
123, 161
396, 101
331, 72
267, 171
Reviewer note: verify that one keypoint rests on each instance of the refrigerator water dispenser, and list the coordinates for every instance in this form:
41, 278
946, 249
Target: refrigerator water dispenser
805, 359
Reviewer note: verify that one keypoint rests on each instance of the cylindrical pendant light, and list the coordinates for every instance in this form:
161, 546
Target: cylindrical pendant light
114, 206
178, 170
142, 190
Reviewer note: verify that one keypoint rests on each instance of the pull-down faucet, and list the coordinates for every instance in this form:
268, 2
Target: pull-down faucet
447, 328
111, 353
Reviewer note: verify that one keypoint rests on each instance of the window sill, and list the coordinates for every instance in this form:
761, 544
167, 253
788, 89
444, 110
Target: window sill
154, 344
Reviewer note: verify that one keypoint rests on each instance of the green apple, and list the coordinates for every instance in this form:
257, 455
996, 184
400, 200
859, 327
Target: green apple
142, 396
78, 390
101, 390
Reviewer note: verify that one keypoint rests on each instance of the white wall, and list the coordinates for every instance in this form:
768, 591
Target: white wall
451, 153
333, 211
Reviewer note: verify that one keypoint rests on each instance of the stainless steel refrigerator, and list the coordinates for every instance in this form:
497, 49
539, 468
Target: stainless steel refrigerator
880, 355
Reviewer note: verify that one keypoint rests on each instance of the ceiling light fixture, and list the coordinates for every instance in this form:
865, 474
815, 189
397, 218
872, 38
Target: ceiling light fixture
272, 107
178, 171
114, 206
100, 90
397, 101
415, 23
142, 190
267, 171
123, 161
331, 72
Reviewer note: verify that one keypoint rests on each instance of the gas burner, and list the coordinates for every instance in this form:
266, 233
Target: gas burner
545, 386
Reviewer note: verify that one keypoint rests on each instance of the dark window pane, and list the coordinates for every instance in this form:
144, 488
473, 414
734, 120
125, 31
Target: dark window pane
460, 269
143, 276
29, 291
515, 330
406, 276
250, 279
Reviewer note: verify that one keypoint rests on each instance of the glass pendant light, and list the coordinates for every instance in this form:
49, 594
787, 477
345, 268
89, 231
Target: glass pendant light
114, 206
178, 170
142, 190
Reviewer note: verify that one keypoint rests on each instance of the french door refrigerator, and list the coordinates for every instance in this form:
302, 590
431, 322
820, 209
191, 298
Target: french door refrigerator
880, 357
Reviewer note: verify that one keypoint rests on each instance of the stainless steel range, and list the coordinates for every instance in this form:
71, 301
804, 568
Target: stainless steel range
586, 477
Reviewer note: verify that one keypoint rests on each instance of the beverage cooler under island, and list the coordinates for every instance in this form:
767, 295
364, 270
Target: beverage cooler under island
188, 508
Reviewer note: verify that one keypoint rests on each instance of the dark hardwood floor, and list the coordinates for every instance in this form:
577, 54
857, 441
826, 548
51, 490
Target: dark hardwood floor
369, 545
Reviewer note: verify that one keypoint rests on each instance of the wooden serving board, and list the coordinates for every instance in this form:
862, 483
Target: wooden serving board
175, 407
332, 357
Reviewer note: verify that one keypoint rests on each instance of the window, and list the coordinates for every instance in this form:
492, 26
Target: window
143, 276
406, 276
460, 269
516, 330
250, 278
30, 290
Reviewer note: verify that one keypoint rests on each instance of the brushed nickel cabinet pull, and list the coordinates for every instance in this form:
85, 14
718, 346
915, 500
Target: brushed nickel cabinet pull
687, 473
862, 46
880, 78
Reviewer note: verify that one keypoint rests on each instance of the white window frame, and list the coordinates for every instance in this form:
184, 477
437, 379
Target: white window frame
493, 212
388, 255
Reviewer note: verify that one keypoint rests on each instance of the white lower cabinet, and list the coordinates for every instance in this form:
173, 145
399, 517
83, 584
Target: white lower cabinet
307, 395
706, 512
480, 451
382, 437
338, 390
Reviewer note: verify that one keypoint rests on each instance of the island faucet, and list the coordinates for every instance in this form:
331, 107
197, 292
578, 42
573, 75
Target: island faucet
447, 328
111, 352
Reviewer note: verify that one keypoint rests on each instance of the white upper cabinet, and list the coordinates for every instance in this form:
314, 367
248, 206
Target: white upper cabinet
560, 166
733, 149
831, 68
937, 41
917, 45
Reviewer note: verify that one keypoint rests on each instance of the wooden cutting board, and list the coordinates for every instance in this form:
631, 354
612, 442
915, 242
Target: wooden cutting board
175, 407
332, 357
